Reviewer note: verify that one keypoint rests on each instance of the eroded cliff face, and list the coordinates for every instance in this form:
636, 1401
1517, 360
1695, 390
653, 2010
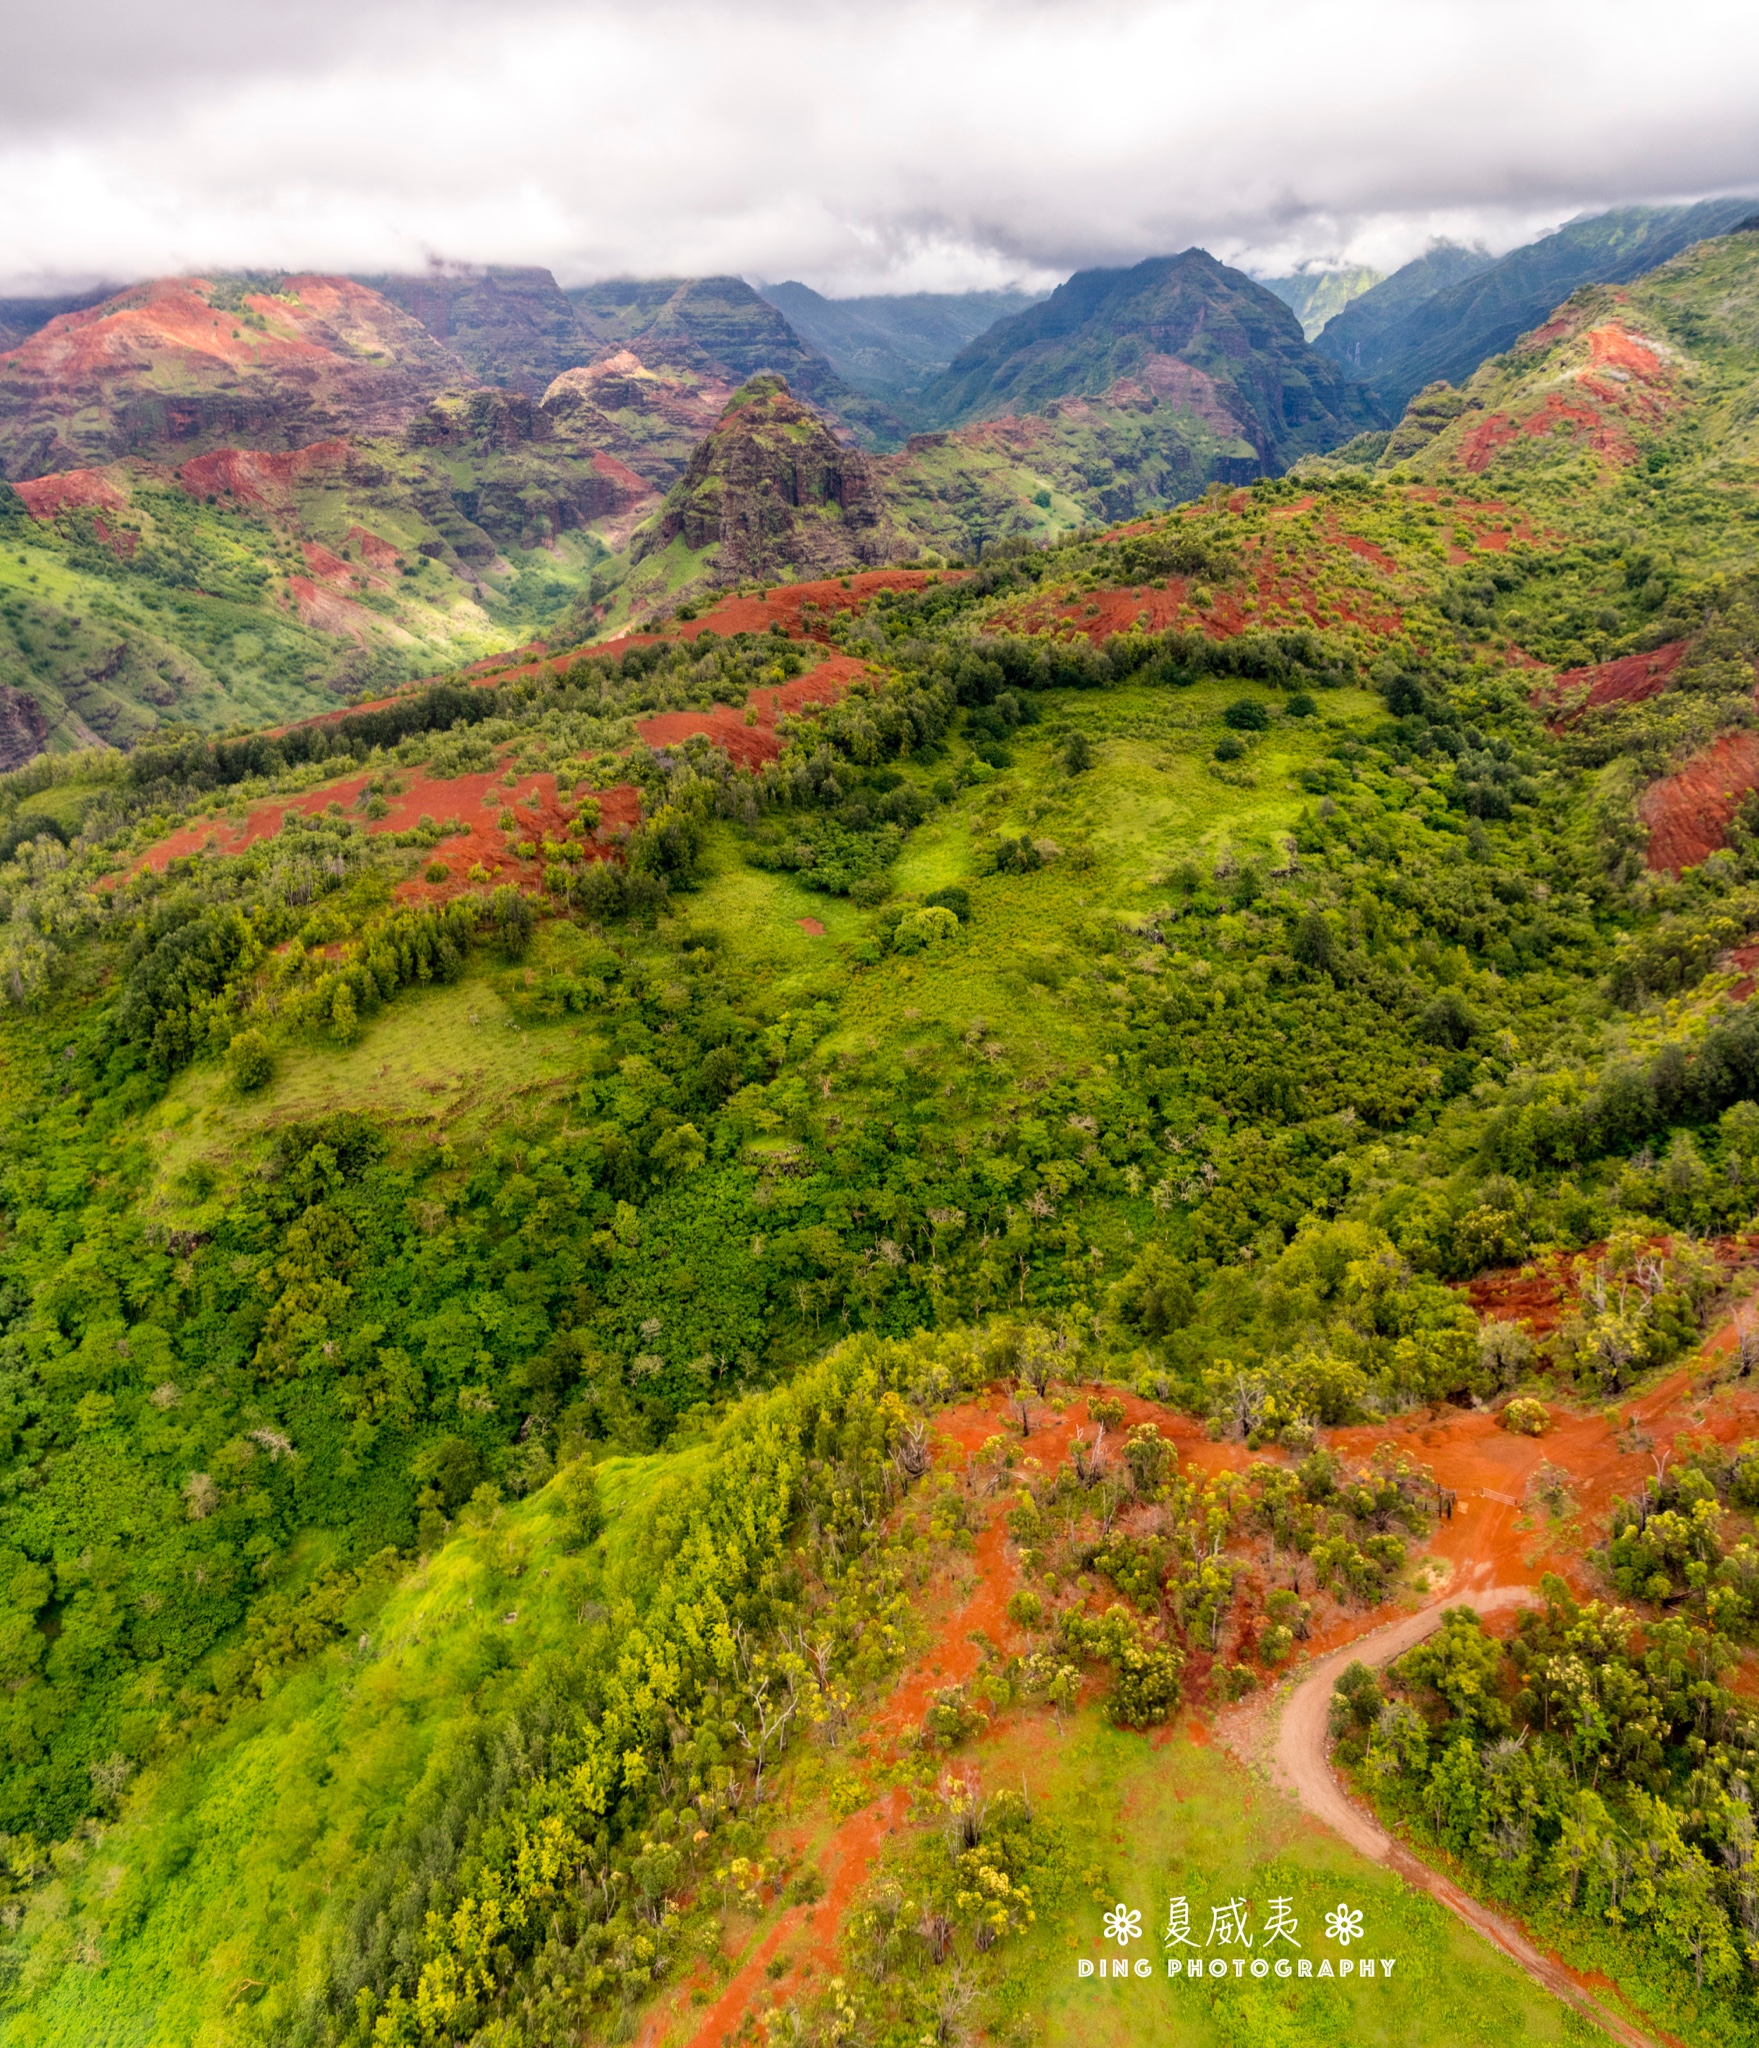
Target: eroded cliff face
773, 489
23, 728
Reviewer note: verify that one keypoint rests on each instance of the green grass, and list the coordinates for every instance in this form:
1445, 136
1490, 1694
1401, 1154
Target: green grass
1150, 802
1146, 1821
446, 1063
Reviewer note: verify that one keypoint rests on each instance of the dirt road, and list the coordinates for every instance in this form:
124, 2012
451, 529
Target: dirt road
1302, 1766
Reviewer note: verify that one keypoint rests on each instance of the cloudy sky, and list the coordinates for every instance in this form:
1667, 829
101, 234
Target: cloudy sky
884, 146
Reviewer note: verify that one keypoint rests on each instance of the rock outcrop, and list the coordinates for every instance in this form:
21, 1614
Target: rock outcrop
23, 728
772, 489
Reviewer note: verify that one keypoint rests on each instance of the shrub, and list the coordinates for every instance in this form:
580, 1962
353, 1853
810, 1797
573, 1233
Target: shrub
435, 871
952, 898
1246, 714
1228, 748
250, 1060
1302, 706
950, 1718
920, 931
1526, 1417
1077, 753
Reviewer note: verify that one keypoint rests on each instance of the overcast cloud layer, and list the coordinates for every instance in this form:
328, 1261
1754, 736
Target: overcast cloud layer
888, 146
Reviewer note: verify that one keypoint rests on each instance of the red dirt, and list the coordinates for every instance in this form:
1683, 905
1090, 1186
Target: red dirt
1629, 680
1626, 378
1688, 814
485, 844
260, 476
376, 552
47, 497
1495, 1563
750, 745
811, 927
1538, 1298
786, 604
327, 612
328, 568
461, 797
312, 329
1744, 961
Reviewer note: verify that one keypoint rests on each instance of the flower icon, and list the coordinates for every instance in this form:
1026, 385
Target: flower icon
1123, 1923
1344, 1923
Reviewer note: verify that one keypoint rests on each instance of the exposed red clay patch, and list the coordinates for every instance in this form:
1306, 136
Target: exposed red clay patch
259, 476
1279, 587
1625, 379
805, 609
1688, 814
1630, 680
811, 927
1483, 1545
327, 612
747, 734
481, 842
326, 567
1744, 961
375, 551
70, 490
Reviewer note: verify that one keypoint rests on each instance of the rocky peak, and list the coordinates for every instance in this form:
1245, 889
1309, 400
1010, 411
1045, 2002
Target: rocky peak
772, 488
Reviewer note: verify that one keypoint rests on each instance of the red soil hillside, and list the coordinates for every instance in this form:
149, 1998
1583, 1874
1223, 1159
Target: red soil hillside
73, 490
805, 609
182, 360
1630, 680
1616, 380
748, 735
1688, 814
261, 476
1489, 1539
482, 840
1281, 586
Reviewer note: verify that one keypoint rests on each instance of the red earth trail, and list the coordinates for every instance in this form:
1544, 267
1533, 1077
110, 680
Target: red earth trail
1303, 1768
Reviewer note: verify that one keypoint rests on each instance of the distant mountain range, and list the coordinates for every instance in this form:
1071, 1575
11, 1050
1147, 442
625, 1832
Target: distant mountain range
892, 347
236, 497
1316, 296
1181, 330
1443, 315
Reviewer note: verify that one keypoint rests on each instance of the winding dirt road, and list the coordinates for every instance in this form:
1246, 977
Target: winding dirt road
1301, 1764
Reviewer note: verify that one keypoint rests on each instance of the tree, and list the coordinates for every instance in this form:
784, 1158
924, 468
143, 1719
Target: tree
1077, 753
1311, 942
251, 1061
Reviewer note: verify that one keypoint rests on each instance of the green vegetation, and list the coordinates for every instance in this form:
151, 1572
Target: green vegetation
1426, 323
471, 1355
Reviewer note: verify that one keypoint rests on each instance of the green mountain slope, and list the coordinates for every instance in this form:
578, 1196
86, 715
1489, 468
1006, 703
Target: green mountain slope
1315, 296
1183, 333
891, 346
518, 1203
1357, 327
1447, 333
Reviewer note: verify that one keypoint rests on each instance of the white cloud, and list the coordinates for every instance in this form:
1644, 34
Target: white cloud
895, 145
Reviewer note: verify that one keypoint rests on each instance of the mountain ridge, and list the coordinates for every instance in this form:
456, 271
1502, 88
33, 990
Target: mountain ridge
1450, 331
1169, 328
